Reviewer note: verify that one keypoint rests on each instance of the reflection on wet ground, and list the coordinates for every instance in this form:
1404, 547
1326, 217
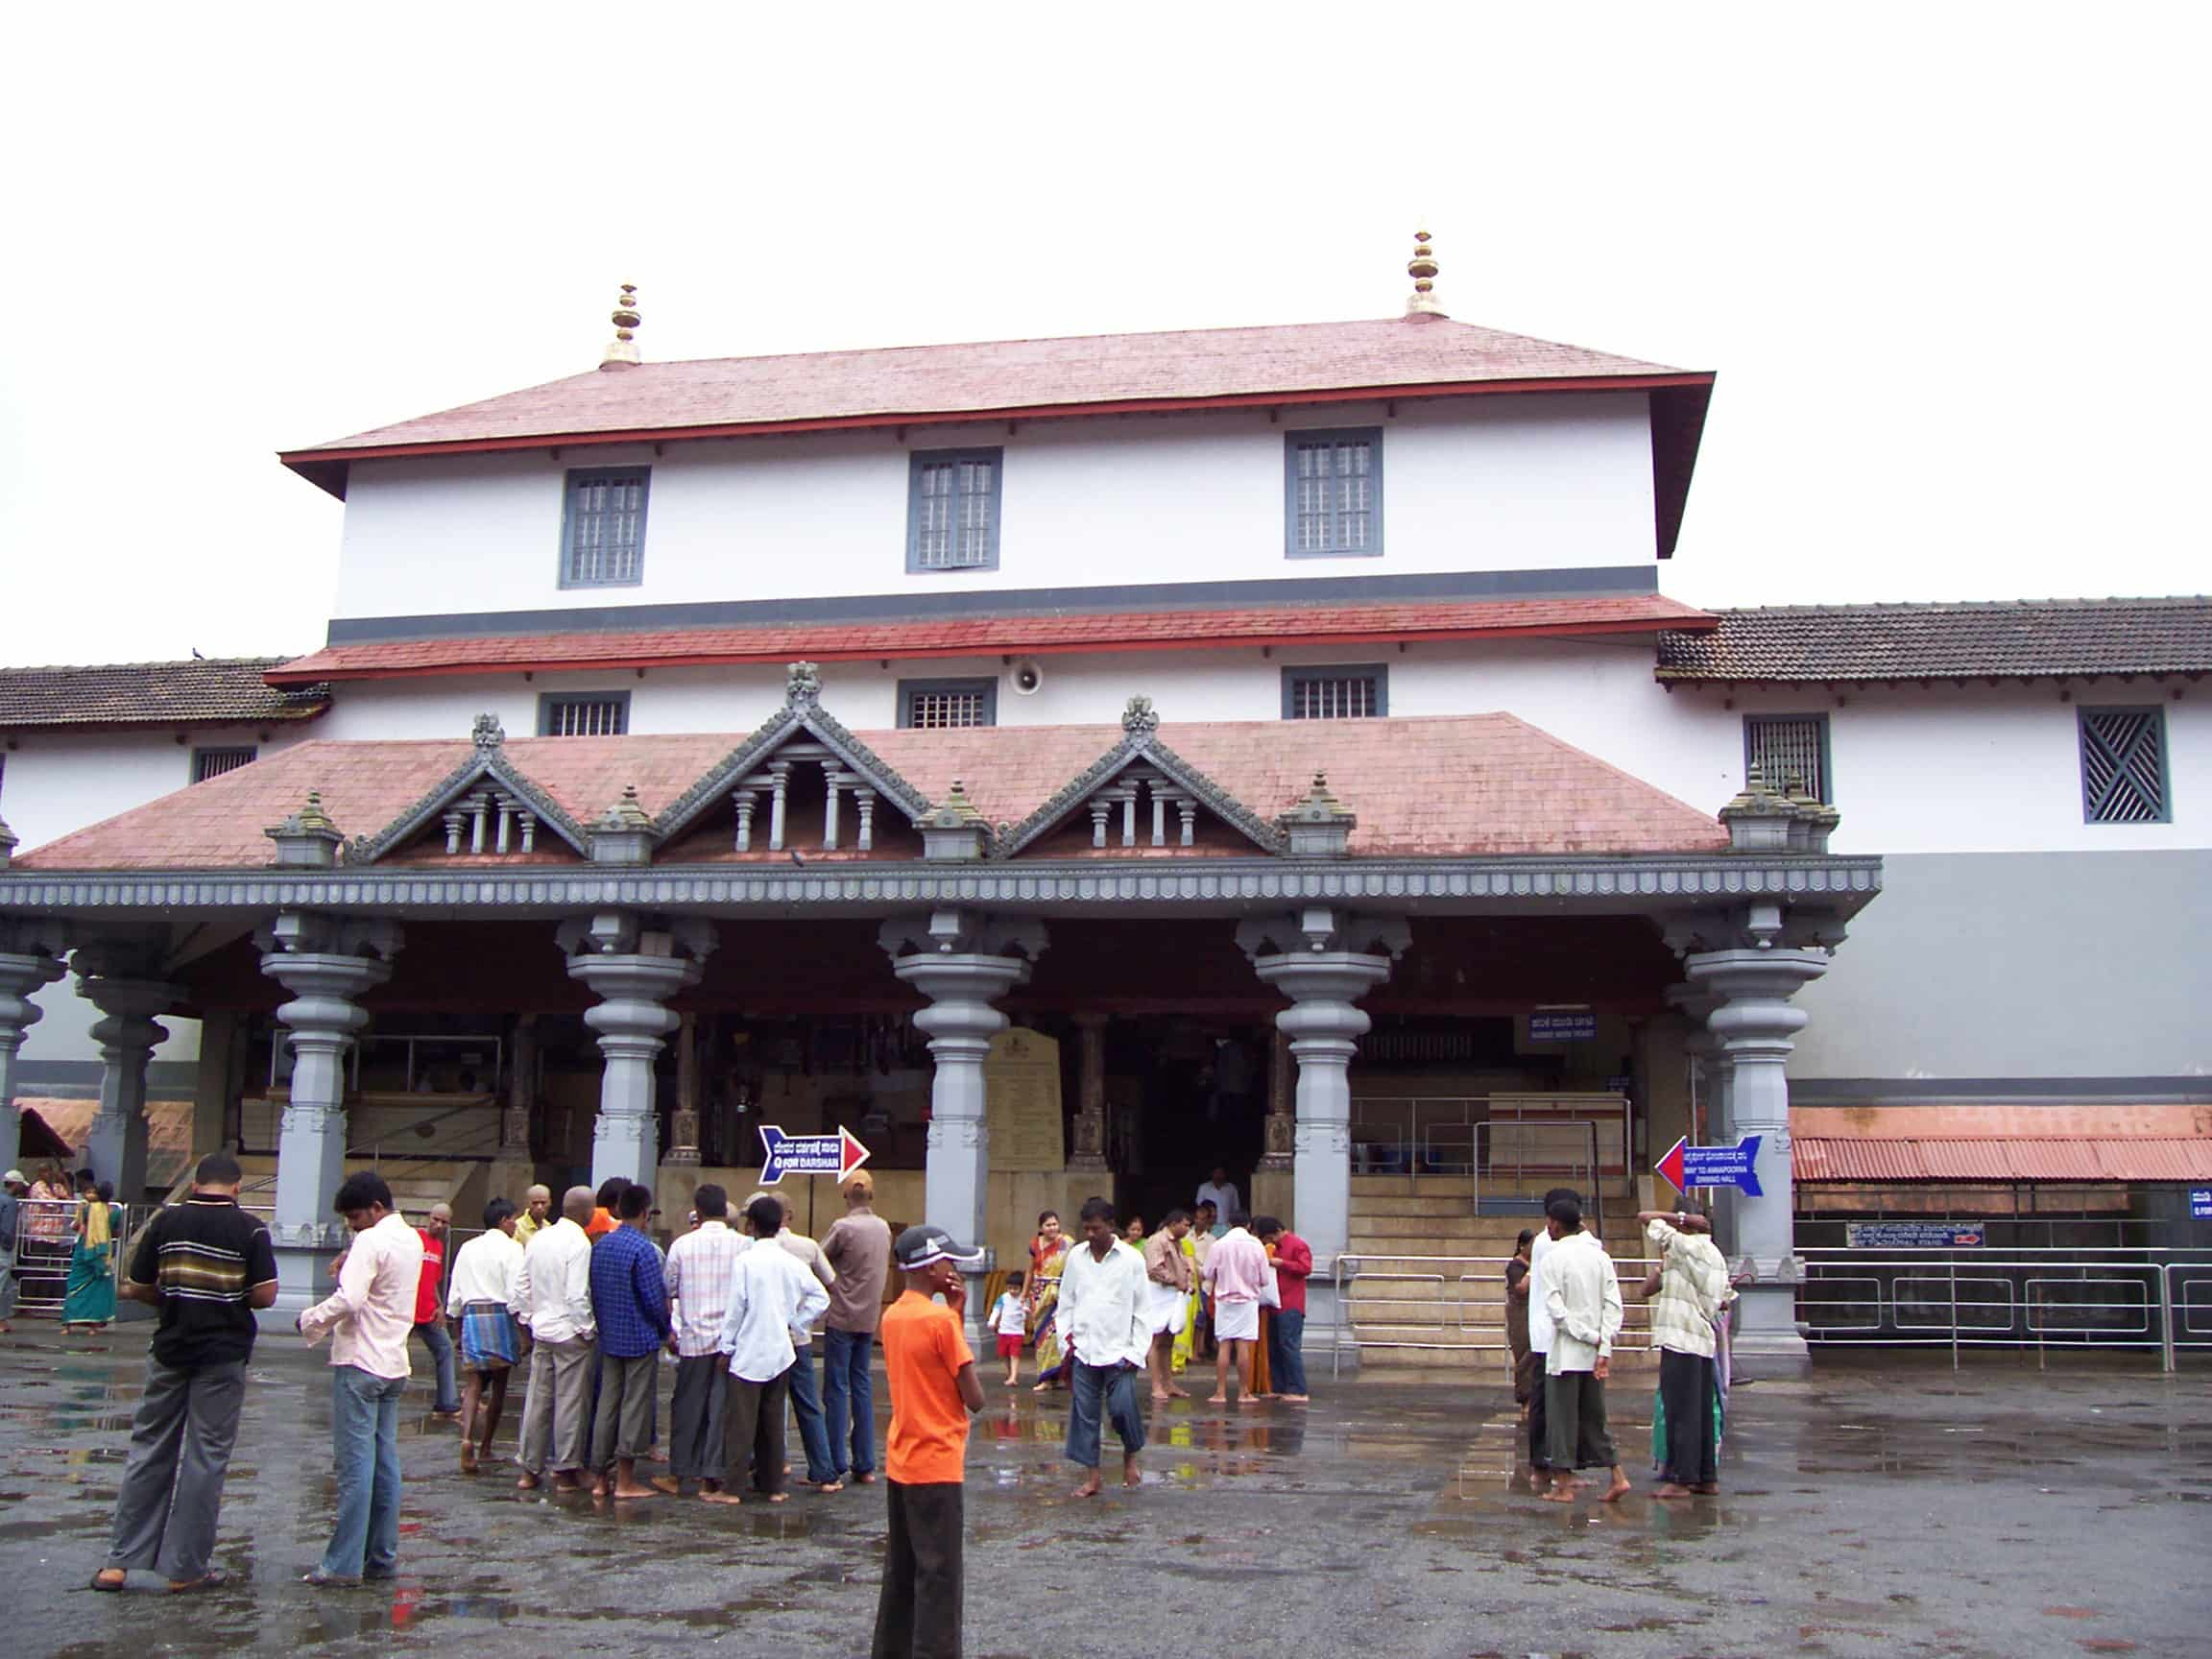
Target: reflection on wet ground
1881, 1507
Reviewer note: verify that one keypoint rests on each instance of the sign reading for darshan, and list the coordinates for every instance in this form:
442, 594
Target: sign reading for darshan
1915, 1234
1687, 1165
838, 1154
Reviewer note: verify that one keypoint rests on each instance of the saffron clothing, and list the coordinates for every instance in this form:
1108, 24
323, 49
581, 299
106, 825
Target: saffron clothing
370, 1316
923, 1350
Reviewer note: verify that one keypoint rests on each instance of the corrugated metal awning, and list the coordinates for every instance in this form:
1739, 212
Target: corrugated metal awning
1985, 1159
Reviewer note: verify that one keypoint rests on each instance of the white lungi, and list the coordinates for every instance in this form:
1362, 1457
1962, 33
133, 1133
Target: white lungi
1165, 1308
1236, 1321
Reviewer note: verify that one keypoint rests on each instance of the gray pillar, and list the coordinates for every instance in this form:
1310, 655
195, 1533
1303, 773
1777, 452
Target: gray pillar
1756, 1027
1089, 1149
634, 967
127, 1034
26, 965
1324, 961
962, 963
326, 963
1712, 1072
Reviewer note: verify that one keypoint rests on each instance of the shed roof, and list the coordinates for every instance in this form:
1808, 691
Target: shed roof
198, 691
1984, 1160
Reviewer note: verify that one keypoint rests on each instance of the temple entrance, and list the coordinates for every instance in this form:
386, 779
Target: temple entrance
1184, 1097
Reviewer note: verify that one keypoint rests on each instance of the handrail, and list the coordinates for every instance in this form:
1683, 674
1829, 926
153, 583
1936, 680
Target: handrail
1346, 1272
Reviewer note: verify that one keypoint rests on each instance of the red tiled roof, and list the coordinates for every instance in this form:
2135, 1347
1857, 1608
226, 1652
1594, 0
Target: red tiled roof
2086, 1158
975, 635
168, 1133
198, 691
1513, 789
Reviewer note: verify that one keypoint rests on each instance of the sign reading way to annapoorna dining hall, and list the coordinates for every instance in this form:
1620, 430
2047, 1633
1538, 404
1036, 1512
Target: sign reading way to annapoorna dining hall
1022, 1096
1915, 1234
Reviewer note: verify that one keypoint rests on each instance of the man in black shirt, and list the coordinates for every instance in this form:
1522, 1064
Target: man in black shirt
206, 1265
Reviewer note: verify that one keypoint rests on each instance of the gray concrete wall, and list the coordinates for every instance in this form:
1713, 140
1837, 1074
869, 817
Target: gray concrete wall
2019, 974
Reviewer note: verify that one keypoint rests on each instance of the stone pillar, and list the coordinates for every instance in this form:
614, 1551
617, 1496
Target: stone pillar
683, 1123
963, 963
327, 963
1756, 1027
521, 1092
634, 967
127, 1034
1324, 960
1089, 1149
27, 963
1280, 1132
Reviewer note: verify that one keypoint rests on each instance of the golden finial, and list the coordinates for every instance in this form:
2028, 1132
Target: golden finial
1422, 268
622, 351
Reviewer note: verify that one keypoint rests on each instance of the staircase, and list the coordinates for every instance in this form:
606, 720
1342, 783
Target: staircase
416, 1183
1412, 1311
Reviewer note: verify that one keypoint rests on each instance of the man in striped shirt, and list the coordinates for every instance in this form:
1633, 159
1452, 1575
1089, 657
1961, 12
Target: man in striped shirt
205, 1266
702, 1269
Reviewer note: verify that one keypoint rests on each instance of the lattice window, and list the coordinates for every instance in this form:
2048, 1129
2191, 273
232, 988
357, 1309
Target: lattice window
2123, 766
598, 714
933, 705
953, 511
1791, 752
209, 763
603, 536
1337, 692
1335, 493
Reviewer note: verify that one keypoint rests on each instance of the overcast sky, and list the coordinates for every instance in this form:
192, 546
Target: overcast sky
1947, 260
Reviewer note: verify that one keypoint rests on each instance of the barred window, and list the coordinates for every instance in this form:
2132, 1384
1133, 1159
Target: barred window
2123, 766
1349, 692
603, 531
931, 704
589, 714
952, 509
209, 763
1334, 492
1791, 752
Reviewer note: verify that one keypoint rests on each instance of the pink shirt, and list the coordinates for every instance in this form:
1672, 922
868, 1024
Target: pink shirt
1237, 1267
372, 1312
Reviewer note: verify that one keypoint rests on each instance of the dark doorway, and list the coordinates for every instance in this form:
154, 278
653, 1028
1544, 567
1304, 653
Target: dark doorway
1188, 1095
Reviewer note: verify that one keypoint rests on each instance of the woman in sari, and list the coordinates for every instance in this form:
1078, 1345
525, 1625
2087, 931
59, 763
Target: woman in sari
1048, 1256
48, 1209
91, 1296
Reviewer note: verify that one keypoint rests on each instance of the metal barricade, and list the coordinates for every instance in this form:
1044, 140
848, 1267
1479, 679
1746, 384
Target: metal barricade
44, 1247
1467, 1300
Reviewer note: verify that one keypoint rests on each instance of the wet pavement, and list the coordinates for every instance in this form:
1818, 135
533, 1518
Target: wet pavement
1881, 1507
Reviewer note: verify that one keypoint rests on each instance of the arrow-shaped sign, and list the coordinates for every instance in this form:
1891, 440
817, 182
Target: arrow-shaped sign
1686, 1166
838, 1154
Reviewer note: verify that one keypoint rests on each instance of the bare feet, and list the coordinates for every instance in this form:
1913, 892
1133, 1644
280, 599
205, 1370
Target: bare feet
1089, 1488
669, 1484
1294, 1399
1618, 1490
631, 1489
719, 1496
1178, 1393
566, 1481
528, 1483
828, 1487
1669, 1489
779, 1496
1216, 1399
1562, 1491
467, 1458
1160, 1394
1130, 1477
867, 1479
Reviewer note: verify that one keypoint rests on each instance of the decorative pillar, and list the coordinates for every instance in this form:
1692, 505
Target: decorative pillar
1089, 1149
963, 962
684, 1124
1324, 960
1756, 1027
326, 963
28, 962
522, 1090
1279, 1144
115, 1147
634, 967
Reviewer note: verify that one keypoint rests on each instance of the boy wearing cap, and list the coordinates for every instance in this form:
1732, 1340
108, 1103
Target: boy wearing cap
934, 1390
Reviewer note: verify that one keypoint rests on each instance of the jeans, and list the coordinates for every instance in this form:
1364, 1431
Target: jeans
847, 1393
181, 1442
1116, 1385
440, 1346
1285, 1354
806, 1405
365, 1454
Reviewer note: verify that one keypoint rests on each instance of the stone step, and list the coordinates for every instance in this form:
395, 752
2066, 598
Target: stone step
1479, 1363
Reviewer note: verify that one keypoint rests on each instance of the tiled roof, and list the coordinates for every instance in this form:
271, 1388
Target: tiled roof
168, 1133
226, 690
972, 636
990, 376
2014, 638
1482, 785
1975, 1159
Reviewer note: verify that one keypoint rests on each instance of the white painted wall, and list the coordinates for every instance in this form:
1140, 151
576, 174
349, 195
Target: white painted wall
1475, 484
56, 781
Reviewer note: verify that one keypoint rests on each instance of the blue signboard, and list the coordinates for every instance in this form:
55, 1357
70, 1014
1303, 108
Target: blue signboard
1737, 1166
838, 1154
1564, 1026
2200, 1203
1915, 1234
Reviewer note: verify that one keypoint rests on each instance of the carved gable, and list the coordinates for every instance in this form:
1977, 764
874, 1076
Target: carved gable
484, 808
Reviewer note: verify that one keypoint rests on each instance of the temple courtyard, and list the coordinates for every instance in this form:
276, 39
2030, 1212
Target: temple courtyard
1884, 1506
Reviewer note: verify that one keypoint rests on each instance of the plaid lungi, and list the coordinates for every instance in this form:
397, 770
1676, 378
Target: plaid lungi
487, 1335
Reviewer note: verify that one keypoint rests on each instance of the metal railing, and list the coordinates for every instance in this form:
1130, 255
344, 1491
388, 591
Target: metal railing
40, 1254
1416, 1135
2043, 1299
1465, 1298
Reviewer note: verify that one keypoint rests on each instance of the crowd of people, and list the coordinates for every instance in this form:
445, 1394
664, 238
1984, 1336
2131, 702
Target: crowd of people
65, 1232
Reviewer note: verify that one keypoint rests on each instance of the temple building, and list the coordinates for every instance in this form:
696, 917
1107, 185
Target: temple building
1070, 766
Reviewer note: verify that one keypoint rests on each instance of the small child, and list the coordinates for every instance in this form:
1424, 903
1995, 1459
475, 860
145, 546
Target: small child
1010, 1318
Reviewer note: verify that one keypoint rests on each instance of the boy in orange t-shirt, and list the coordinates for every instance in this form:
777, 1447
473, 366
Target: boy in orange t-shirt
934, 1390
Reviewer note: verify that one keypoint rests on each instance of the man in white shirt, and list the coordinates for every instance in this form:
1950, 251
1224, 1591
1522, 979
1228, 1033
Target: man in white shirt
1540, 1341
774, 1302
702, 1269
1104, 1297
1582, 1295
1218, 1191
483, 1285
369, 1319
552, 1301
804, 1384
